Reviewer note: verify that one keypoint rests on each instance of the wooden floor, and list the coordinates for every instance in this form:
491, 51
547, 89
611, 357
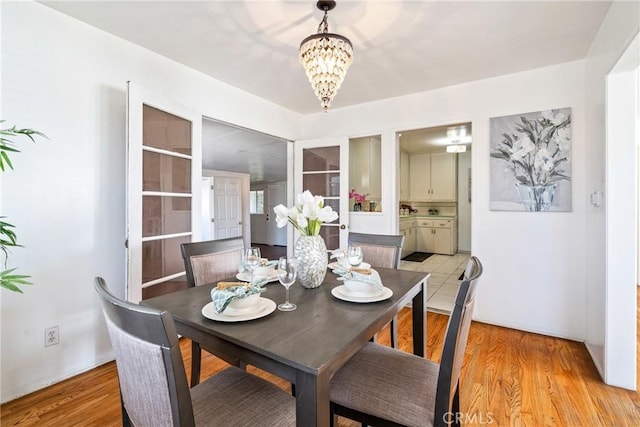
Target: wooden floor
509, 378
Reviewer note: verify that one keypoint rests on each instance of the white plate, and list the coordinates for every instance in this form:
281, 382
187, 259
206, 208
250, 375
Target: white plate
245, 277
334, 265
339, 292
266, 307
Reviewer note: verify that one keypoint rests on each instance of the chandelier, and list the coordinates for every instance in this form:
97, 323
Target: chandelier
325, 57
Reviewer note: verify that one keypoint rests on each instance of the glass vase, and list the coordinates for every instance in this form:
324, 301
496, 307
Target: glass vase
537, 198
311, 255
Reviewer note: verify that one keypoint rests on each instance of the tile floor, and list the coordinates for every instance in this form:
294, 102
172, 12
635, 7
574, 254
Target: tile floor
443, 283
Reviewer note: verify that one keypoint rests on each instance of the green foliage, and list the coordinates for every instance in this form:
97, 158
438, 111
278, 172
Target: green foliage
8, 237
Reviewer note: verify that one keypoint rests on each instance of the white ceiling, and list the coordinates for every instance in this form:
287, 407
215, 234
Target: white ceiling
400, 47
432, 139
232, 149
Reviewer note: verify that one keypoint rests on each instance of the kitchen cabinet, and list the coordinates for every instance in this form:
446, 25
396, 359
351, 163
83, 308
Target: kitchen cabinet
404, 176
432, 177
408, 230
436, 236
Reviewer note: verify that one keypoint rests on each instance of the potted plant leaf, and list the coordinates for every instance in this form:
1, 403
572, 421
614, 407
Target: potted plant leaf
8, 238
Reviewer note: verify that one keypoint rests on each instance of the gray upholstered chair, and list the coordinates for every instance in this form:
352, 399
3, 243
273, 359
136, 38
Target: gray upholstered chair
207, 262
381, 250
153, 384
384, 386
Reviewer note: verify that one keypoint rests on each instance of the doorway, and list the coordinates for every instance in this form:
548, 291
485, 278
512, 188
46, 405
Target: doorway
435, 206
257, 159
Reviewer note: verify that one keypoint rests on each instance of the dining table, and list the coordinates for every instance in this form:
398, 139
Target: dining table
305, 346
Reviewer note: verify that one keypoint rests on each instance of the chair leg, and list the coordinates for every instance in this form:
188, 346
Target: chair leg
333, 418
196, 358
455, 405
393, 327
126, 421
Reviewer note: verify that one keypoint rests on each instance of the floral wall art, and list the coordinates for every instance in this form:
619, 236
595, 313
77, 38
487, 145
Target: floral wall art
531, 162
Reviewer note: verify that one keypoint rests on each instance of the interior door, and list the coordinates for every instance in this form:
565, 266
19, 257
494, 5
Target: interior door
227, 220
275, 195
322, 167
164, 169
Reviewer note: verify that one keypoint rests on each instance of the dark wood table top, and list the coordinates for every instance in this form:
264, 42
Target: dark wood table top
312, 341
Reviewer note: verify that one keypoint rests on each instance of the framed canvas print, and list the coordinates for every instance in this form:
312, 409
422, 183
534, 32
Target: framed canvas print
531, 162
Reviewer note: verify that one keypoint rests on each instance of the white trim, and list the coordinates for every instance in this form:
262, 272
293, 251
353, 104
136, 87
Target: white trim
166, 152
166, 236
165, 194
162, 279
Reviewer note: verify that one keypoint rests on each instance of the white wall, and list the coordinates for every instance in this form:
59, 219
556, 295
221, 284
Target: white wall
66, 196
616, 32
534, 262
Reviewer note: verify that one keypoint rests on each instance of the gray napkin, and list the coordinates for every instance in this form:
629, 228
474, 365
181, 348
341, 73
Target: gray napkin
222, 298
373, 279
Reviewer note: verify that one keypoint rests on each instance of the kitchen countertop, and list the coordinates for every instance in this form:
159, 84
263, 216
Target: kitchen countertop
410, 216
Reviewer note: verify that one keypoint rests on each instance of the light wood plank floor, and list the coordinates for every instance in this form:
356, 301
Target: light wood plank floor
510, 378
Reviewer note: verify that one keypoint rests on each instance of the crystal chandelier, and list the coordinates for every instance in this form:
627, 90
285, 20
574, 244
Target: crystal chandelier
326, 57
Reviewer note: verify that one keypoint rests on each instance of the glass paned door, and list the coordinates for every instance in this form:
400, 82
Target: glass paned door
164, 168
321, 166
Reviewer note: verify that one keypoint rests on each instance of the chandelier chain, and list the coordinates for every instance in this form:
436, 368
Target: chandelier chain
324, 24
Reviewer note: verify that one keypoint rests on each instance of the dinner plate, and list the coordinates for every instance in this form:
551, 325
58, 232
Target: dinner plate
341, 293
266, 306
246, 277
335, 264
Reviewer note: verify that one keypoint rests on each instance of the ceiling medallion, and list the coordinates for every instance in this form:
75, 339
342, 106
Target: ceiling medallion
326, 58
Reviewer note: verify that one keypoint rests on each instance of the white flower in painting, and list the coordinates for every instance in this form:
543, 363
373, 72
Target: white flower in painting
563, 139
543, 160
556, 119
537, 148
521, 148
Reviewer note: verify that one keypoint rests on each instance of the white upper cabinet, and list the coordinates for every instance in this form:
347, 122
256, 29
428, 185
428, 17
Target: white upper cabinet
432, 177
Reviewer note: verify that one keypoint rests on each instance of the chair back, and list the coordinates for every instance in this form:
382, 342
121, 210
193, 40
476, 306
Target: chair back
212, 260
455, 340
153, 383
379, 250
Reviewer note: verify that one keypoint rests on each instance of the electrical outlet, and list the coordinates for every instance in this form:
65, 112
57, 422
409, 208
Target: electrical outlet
51, 336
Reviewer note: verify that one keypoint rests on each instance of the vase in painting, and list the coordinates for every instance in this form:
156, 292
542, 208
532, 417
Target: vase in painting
537, 198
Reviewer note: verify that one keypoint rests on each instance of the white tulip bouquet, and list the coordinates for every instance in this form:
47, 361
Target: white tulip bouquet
307, 215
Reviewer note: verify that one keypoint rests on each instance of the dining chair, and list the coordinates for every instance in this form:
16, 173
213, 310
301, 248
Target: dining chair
384, 386
381, 250
153, 383
207, 262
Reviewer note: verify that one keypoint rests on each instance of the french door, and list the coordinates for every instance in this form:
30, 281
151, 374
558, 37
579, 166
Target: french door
164, 169
322, 167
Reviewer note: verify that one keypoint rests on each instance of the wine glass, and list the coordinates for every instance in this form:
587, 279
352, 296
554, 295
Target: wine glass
287, 275
354, 255
251, 260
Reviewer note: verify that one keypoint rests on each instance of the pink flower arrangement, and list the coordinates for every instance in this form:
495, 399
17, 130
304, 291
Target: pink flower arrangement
357, 196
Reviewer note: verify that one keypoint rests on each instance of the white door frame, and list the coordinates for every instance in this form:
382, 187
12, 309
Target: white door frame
622, 134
